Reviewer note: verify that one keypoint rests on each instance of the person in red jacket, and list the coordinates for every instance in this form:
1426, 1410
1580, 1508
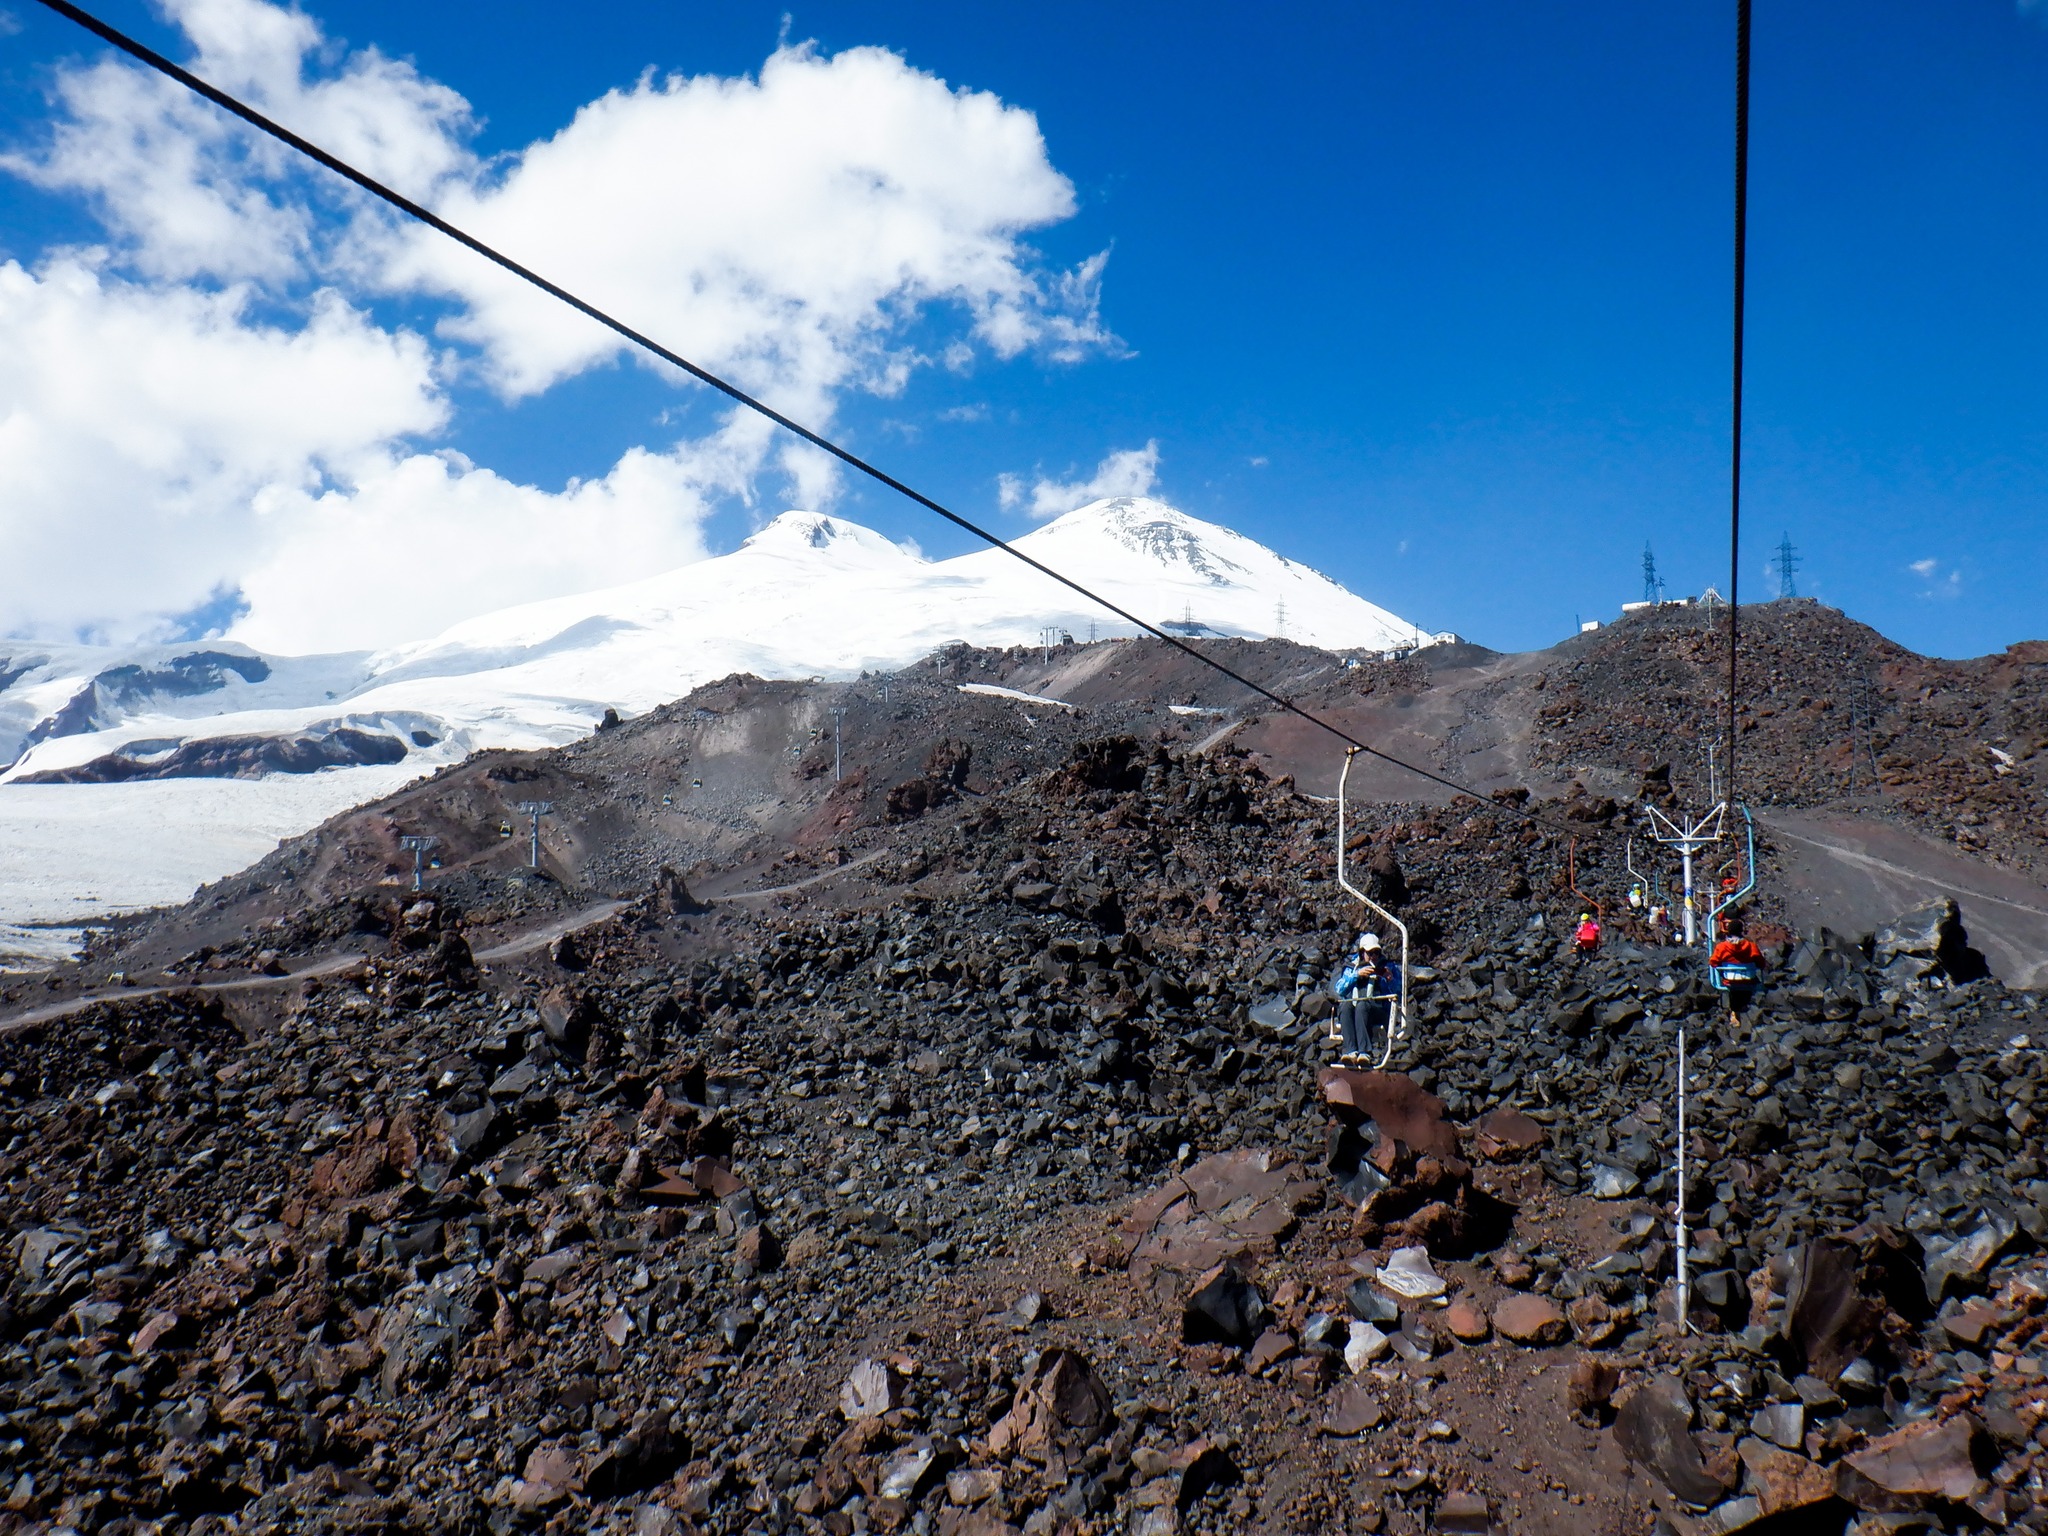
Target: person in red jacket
1738, 966
1587, 938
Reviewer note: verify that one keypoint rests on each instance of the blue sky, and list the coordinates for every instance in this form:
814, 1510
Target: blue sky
1435, 298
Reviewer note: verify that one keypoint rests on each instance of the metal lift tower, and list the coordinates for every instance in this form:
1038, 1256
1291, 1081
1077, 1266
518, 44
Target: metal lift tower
1653, 586
533, 810
418, 847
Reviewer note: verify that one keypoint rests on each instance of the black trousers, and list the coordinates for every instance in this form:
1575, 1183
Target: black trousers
1362, 1020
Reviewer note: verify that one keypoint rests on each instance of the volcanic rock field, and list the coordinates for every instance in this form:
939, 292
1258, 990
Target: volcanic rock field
955, 1145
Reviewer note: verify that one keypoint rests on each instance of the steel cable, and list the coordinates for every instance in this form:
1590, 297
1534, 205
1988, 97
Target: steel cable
227, 103
1735, 456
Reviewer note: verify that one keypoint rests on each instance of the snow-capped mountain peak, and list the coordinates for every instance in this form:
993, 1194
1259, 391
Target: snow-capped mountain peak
791, 532
807, 595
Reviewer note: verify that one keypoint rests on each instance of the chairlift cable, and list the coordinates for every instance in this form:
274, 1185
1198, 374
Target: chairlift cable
156, 61
1735, 453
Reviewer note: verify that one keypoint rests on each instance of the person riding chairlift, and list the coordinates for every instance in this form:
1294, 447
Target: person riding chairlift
1738, 966
1365, 989
1587, 938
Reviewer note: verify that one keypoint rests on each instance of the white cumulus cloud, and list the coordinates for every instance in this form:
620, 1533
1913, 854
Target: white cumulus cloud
208, 401
1125, 472
138, 426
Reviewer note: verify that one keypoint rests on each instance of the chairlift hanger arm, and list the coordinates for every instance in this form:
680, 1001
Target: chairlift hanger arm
1397, 1021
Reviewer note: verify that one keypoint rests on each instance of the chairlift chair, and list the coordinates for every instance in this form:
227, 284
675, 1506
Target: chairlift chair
1397, 1017
1649, 881
1736, 973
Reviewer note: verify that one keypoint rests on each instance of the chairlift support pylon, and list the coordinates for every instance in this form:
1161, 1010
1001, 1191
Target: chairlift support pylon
1689, 840
1397, 1020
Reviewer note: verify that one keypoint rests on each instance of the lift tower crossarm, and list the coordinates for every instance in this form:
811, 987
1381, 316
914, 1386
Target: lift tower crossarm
1689, 840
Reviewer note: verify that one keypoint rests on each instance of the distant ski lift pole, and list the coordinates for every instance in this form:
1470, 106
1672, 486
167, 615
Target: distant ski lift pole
533, 810
1689, 840
838, 731
1397, 1019
418, 848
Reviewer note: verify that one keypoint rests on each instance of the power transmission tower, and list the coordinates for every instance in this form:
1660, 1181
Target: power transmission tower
418, 847
1788, 562
533, 810
1653, 586
1280, 620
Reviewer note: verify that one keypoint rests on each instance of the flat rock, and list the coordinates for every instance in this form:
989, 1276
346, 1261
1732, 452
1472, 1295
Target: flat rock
1530, 1319
1227, 1206
1463, 1319
1783, 1479
1911, 1467
1353, 1410
1507, 1133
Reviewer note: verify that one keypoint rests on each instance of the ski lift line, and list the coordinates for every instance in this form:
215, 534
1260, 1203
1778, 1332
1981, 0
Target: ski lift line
1735, 447
156, 61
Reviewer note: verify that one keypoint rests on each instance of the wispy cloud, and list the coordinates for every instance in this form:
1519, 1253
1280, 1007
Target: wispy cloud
1126, 472
1940, 581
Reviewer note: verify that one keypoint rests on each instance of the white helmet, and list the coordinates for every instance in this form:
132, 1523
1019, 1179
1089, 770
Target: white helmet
1368, 941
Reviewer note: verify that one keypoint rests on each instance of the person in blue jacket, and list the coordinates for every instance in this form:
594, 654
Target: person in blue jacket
1366, 986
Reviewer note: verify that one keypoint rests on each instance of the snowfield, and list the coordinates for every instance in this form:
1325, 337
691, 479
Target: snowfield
71, 854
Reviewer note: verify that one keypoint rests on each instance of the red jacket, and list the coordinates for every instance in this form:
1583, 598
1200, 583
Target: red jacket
1736, 951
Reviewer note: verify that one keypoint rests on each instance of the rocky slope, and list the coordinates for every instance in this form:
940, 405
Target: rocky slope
998, 1184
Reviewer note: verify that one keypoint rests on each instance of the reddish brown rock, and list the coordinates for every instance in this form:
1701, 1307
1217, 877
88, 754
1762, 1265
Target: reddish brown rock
1530, 1319
1592, 1384
1062, 1406
1352, 1411
1783, 1479
1401, 1108
1463, 1319
1911, 1467
1507, 1133
1224, 1207
1273, 1346
1592, 1319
